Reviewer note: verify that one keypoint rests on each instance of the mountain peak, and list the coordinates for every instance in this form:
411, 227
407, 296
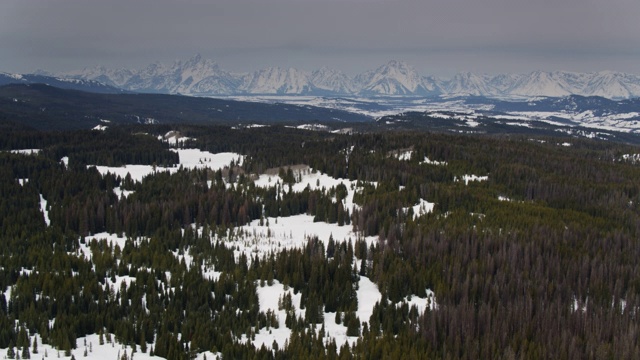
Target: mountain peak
332, 80
398, 64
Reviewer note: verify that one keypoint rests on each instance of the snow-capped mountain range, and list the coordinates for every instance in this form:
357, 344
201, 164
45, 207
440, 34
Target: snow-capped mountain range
203, 77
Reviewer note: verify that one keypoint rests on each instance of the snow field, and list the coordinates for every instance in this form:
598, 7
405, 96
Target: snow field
423, 207
315, 181
189, 159
293, 232
174, 138
367, 293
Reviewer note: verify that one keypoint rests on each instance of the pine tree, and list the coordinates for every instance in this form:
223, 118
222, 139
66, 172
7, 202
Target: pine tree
25, 352
11, 354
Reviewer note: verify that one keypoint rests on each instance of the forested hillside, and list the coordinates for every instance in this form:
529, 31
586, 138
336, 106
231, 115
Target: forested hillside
374, 245
46, 107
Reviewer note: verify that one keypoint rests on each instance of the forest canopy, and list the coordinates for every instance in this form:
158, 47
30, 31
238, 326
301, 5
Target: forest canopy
530, 244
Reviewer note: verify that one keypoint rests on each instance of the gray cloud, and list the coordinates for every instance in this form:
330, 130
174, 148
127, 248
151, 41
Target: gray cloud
435, 36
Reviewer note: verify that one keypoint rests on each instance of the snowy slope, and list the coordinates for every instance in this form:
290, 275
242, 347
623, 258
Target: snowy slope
113, 77
613, 85
541, 83
392, 78
465, 84
276, 80
332, 81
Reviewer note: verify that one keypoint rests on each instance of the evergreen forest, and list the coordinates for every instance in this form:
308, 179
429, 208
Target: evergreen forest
529, 249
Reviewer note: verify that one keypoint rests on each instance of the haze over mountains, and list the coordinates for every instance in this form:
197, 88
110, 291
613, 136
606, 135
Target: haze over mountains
204, 77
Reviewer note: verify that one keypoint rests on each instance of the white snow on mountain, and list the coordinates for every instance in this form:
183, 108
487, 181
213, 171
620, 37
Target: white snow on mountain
465, 84
541, 83
392, 78
276, 80
203, 77
333, 81
113, 77
611, 84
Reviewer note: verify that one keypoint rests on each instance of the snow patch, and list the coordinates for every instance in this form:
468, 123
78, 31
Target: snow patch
432, 162
276, 234
174, 138
468, 178
26, 151
404, 156
189, 159
122, 193
423, 207
45, 212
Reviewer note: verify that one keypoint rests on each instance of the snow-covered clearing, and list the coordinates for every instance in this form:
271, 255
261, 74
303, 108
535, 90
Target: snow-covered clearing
268, 297
276, 234
367, 293
112, 240
315, 181
198, 159
368, 296
423, 207
174, 138
189, 159
422, 304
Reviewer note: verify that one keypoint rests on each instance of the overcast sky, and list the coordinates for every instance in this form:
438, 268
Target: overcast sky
436, 37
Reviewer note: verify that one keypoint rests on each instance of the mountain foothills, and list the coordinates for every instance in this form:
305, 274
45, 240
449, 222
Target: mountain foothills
203, 77
214, 242
59, 82
46, 107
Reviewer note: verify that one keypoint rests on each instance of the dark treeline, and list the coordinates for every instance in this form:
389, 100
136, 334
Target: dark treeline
549, 271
